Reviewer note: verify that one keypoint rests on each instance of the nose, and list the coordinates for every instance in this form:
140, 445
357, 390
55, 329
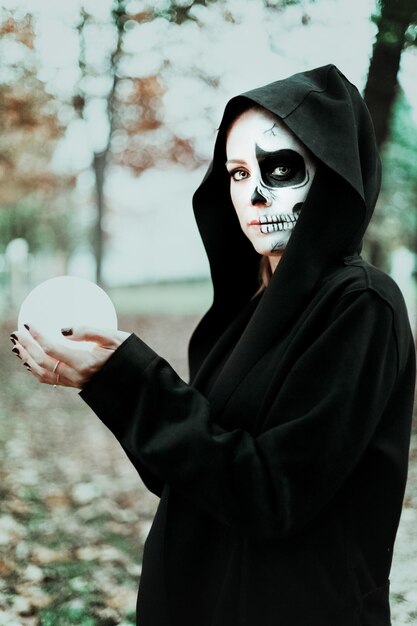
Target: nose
259, 198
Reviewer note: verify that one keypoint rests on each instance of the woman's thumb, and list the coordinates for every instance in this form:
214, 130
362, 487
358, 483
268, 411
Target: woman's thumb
105, 337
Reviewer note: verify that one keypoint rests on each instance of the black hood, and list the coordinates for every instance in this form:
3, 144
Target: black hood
328, 115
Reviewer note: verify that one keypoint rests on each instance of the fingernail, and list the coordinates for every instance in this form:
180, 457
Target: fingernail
27, 367
26, 326
13, 340
66, 331
13, 336
16, 351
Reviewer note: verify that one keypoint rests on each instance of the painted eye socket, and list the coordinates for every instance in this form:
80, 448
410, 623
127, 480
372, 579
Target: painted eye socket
281, 168
239, 175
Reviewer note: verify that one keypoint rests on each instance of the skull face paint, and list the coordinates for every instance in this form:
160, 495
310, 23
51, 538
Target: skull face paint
281, 168
271, 172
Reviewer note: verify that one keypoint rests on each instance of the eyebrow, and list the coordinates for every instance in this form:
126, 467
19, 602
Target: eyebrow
230, 161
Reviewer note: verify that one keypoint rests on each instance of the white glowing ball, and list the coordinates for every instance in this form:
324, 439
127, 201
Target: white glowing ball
66, 302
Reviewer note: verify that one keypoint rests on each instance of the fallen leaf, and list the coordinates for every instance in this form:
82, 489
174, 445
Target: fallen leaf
10, 530
107, 616
83, 493
37, 598
17, 506
7, 567
57, 499
104, 553
122, 599
22, 605
33, 573
42, 555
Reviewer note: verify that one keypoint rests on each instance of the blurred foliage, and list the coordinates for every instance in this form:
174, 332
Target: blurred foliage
139, 139
30, 129
44, 227
395, 219
180, 12
399, 187
36, 202
135, 138
282, 4
395, 13
33, 120
411, 35
134, 103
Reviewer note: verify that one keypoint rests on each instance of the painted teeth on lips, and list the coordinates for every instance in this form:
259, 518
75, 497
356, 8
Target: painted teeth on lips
275, 223
281, 217
274, 228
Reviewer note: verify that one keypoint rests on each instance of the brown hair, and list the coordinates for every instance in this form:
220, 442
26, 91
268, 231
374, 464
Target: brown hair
265, 274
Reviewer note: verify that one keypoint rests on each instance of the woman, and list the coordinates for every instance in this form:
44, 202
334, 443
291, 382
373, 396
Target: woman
281, 466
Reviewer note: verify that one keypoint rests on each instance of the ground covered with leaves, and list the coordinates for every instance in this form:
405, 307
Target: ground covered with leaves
74, 515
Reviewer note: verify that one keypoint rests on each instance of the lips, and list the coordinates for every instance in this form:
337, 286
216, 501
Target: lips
275, 223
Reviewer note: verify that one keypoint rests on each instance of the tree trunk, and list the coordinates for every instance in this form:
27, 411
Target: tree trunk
382, 84
99, 166
100, 159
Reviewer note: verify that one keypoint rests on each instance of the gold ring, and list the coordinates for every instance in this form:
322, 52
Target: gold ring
54, 371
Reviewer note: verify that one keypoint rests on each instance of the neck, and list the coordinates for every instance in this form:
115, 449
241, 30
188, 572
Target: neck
273, 261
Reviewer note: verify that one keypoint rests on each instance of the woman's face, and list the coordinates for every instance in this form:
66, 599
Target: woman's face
270, 175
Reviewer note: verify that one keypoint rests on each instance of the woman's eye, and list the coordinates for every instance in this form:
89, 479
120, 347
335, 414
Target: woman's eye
239, 175
282, 171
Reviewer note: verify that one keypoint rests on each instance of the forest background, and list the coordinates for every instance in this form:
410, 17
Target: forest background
108, 115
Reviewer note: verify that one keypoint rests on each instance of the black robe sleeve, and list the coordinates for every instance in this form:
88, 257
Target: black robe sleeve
321, 422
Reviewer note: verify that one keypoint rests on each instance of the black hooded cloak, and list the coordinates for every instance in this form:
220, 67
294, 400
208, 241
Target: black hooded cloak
281, 467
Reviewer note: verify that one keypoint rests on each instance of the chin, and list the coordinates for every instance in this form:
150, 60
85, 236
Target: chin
266, 248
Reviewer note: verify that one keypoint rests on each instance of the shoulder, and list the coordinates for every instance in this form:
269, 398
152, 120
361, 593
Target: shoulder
375, 297
355, 278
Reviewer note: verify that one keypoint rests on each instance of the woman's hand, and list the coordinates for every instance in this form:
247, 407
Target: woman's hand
57, 364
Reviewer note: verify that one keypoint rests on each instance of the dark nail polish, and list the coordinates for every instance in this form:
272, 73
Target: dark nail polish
26, 326
27, 367
13, 340
66, 331
15, 350
13, 336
